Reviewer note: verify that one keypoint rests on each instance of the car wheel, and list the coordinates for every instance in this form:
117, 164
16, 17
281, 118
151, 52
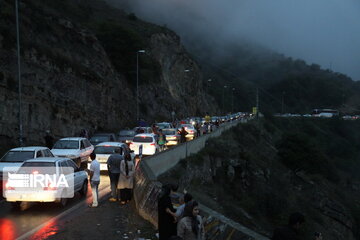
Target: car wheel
16, 205
83, 165
62, 202
84, 189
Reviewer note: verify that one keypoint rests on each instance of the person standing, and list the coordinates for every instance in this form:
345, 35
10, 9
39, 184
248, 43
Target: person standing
291, 231
180, 210
126, 179
191, 226
166, 214
113, 165
183, 134
162, 140
94, 179
49, 140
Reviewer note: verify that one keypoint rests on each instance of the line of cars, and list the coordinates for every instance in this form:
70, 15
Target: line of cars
74, 152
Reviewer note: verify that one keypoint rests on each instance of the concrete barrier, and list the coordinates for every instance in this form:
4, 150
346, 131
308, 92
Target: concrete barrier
147, 189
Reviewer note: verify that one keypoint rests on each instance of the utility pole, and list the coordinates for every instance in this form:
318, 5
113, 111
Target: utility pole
232, 100
282, 103
223, 102
137, 83
19, 72
257, 103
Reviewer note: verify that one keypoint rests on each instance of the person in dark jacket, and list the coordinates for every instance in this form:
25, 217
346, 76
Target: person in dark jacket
166, 214
183, 134
291, 231
113, 165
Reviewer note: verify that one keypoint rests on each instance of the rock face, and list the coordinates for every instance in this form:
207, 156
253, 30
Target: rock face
69, 82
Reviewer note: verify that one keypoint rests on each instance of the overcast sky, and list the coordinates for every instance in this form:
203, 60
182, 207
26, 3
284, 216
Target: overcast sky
326, 32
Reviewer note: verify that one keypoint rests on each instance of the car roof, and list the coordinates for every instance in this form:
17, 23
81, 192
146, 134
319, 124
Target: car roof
73, 138
30, 148
115, 144
97, 134
46, 159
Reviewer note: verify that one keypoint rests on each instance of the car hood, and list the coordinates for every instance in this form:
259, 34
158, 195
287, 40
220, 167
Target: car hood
65, 152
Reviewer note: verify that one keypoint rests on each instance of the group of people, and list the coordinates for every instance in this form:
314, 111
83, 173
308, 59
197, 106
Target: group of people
183, 223
121, 171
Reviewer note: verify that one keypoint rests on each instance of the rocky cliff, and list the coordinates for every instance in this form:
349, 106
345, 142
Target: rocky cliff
70, 79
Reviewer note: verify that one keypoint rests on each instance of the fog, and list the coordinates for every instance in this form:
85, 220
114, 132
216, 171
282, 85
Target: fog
325, 32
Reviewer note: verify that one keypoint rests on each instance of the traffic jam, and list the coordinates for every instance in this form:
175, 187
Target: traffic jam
74, 152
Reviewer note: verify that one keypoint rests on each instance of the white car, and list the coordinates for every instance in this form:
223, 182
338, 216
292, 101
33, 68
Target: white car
76, 148
16, 195
163, 125
16, 156
148, 141
105, 149
172, 136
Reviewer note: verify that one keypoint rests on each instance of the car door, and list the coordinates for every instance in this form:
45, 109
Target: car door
89, 148
78, 177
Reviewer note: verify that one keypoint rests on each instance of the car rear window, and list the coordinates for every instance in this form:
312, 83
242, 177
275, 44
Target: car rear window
127, 133
30, 167
106, 149
100, 138
66, 144
143, 139
17, 156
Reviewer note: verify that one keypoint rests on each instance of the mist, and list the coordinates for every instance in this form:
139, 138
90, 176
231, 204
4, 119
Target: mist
325, 32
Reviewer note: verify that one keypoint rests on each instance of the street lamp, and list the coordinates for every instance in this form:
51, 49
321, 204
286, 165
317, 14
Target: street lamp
232, 100
223, 102
19, 71
137, 83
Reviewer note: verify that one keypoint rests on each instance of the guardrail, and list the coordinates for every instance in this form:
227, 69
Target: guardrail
147, 188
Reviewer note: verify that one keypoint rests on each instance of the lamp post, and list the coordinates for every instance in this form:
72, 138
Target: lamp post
232, 100
137, 83
19, 71
223, 102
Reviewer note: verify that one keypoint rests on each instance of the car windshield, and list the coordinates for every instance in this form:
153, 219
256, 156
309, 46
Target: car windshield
100, 138
66, 144
127, 133
169, 132
163, 125
39, 167
143, 139
17, 156
106, 149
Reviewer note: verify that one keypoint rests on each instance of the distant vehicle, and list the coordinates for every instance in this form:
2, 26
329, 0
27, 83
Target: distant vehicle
105, 149
76, 148
172, 136
163, 125
126, 136
327, 113
17, 195
14, 158
102, 137
139, 130
307, 115
148, 140
347, 117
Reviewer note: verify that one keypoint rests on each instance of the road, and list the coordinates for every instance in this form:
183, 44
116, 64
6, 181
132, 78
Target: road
40, 220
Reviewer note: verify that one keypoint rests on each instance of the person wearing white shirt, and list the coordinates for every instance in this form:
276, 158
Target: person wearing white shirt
94, 179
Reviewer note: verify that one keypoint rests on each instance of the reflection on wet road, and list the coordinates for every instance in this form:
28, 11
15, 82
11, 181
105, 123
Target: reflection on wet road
41, 220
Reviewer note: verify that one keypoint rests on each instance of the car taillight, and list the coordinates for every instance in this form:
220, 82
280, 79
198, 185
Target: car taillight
8, 187
50, 187
152, 144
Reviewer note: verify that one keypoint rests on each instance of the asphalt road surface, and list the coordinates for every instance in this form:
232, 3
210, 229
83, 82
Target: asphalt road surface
41, 220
